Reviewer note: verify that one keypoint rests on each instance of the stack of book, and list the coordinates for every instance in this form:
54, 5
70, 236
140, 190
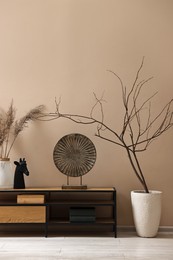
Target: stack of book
82, 215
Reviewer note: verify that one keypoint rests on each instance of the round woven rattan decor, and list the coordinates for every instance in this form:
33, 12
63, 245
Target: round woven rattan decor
74, 155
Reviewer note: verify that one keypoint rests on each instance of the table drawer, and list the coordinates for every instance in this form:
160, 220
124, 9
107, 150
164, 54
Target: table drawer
22, 214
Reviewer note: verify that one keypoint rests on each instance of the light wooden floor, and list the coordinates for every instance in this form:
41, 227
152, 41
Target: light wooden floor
126, 246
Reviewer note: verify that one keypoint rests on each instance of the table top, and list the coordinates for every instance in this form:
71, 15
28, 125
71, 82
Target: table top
35, 189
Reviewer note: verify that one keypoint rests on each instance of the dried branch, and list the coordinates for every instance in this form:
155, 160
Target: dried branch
136, 133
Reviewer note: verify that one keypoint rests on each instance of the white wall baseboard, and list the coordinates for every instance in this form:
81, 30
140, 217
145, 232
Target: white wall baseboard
132, 229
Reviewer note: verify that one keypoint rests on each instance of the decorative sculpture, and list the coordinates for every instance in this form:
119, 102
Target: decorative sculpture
74, 155
21, 168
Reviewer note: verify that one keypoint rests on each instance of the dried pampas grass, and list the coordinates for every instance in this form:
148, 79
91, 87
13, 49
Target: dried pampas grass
33, 114
9, 128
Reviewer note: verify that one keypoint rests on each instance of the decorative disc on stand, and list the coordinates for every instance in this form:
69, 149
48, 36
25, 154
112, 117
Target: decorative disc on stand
74, 155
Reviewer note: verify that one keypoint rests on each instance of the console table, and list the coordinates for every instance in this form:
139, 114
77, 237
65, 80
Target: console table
88, 209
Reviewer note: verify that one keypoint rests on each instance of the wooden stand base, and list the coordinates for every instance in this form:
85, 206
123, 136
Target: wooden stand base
74, 187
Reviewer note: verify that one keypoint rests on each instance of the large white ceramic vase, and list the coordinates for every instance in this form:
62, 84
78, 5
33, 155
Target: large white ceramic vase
6, 173
146, 208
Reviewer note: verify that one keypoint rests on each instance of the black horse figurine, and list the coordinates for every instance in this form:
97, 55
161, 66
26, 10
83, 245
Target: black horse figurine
21, 168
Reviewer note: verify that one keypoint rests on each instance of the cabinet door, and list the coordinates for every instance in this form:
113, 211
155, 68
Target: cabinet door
22, 214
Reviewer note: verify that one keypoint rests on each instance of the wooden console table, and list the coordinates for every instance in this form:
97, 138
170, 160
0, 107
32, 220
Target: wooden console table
54, 210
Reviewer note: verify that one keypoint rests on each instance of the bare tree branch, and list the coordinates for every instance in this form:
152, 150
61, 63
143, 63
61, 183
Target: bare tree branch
137, 131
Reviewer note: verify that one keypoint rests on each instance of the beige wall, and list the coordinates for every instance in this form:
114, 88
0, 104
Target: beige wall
53, 48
